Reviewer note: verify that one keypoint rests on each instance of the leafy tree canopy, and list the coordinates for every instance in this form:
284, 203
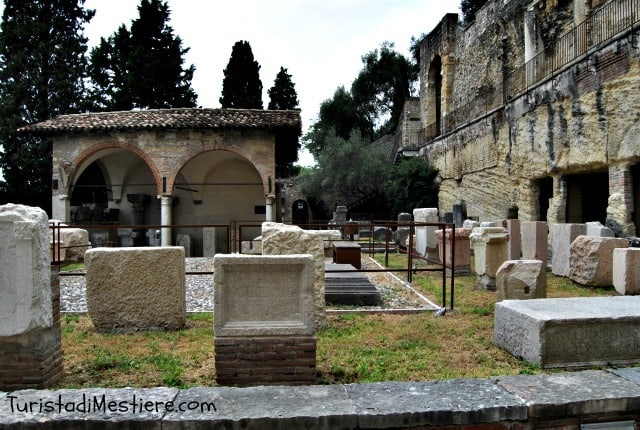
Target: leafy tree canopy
42, 73
241, 86
142, 68
470, 8
412, 185
382, 86
374, 104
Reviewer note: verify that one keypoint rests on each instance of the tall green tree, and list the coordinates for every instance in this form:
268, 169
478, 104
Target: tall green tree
338, 116
382, 86
241, 86
42, 73
283, 95
412, 184
142, 68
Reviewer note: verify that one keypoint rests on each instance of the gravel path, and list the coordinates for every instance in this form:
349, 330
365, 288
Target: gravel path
199, 290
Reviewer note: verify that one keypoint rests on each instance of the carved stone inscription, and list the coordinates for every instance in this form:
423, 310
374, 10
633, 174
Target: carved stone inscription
589, 343
263, 295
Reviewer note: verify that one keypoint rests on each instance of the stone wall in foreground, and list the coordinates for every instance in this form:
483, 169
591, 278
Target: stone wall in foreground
555, 401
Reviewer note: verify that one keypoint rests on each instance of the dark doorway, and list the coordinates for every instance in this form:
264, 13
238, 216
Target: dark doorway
435, 79
635, 187
89, 195
587, 197
300, 212
545, 192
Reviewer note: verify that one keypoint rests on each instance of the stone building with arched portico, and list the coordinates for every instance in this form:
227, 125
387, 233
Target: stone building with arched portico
168, 166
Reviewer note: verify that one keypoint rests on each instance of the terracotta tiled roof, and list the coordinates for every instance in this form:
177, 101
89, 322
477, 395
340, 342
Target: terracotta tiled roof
194, 118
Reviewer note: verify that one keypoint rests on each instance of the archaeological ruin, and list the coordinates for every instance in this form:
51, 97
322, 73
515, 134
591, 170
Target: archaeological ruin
533, 108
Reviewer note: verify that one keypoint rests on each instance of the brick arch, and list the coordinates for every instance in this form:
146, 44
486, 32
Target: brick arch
260, 166
84, 156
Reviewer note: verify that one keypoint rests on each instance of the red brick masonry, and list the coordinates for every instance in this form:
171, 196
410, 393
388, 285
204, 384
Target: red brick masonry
270, 360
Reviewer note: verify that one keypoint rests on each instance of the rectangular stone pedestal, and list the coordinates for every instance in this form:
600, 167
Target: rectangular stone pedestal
570, 333
271, 360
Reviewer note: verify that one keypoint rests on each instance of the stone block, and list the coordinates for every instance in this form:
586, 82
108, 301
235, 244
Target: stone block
514, 245
252, 247
490, 251
591, 259
282, 239
404, 218
561, 237
268, 295
571, 332
328, 237
595, 228
137, 288
461, 257
626, 270
77, 243
535, 239
381, 234
426, 243
470, 224
521, 280
25, 278
400, 236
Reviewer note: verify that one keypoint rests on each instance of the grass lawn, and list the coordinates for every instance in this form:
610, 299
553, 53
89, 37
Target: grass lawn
352, 348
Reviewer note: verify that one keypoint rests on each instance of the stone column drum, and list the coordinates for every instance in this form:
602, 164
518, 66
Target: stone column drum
30, 344
490, 250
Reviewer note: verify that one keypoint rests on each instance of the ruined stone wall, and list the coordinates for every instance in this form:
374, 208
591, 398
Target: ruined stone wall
581, 119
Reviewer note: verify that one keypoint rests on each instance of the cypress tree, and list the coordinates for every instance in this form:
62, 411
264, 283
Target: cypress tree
241, 87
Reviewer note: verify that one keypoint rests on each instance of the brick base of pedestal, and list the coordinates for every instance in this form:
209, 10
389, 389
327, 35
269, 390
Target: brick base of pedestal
31, 360
270, 360
34, 359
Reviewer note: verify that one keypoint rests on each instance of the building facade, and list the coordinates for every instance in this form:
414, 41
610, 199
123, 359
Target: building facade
168, 167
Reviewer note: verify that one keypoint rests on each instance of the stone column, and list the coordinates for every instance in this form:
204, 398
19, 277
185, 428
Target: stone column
426, 242
269, 203
165, 219
490, 250
558, 203
30, 344
60, 207
620, 203
138, 203
515, 244
535, 237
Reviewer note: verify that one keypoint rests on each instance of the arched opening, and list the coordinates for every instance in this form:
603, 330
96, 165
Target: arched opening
435, 95
90, 195
217, 187
300, 212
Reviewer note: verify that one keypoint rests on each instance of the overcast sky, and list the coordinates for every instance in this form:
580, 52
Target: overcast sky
320, 42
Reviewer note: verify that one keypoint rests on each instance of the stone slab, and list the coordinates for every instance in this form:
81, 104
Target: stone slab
573, 394
571, 332
263, 295
318, 406
521, 401
349, 288
136, 288
103, 408
400, 405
